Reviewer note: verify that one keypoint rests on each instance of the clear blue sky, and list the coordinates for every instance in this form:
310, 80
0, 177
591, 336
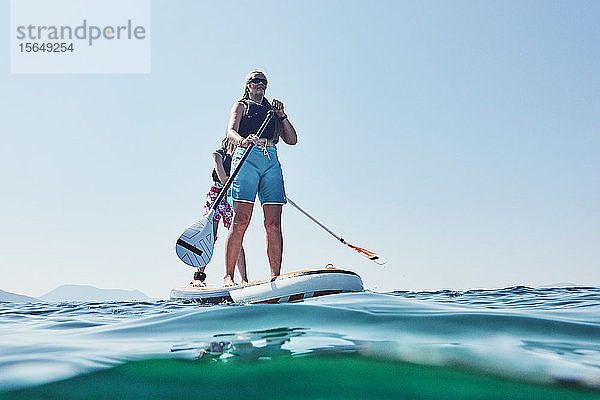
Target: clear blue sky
458, 138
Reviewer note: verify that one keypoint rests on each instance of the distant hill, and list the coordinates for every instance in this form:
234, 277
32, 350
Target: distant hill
16, 298
91, 293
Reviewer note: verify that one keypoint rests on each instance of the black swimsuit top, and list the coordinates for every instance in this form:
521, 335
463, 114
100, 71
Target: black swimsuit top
226, 165
253, 118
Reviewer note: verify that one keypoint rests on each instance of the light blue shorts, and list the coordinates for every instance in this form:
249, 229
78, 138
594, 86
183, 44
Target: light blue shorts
261, 173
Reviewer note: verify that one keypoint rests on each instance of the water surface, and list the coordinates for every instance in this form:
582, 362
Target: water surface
529, 343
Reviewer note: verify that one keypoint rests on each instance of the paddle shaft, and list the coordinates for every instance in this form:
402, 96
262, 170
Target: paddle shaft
367, 253
313, 219
223, 191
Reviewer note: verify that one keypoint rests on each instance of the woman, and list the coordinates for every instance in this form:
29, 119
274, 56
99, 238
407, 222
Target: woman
261, 172
220, 175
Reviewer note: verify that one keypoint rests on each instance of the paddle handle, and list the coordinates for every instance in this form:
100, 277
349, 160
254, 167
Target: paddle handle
223, 191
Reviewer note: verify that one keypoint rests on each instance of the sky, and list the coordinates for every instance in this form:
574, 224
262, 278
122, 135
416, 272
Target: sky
458, 139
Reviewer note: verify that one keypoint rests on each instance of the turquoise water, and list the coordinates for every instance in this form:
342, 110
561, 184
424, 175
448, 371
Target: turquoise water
508, 343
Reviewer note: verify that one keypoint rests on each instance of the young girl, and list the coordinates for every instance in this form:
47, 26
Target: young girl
220, 174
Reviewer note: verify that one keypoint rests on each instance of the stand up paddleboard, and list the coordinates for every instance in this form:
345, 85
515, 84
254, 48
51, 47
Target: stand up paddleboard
293, 286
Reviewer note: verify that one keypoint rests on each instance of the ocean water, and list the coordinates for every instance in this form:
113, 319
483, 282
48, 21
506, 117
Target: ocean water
512, 343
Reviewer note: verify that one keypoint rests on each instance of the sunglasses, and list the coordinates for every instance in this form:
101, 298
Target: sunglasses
258, 80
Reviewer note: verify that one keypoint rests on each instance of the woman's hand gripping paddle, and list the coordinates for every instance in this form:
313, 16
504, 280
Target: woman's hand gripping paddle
195, 246
363, 252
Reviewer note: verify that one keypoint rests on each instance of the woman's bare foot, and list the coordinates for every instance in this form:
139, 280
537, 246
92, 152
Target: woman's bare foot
228, 281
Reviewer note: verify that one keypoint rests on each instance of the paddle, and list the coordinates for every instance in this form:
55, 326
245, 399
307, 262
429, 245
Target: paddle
195, 245
363, 252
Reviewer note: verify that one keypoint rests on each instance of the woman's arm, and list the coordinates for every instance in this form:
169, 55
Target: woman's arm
219, 168
237, 111
235, 116
287, 133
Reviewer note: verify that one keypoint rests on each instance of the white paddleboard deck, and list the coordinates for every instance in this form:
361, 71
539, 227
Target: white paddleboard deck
293, 286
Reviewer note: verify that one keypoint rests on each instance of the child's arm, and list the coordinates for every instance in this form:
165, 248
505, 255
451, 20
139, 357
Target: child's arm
219, 168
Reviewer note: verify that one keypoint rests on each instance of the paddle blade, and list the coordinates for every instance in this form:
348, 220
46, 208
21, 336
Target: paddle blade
368, 253
195, 246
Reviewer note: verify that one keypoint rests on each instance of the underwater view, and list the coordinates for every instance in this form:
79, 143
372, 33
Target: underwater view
517, 342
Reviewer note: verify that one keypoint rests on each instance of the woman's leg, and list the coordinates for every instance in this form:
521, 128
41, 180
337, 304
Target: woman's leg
272, 214
242, 212
241, 265
241, 261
